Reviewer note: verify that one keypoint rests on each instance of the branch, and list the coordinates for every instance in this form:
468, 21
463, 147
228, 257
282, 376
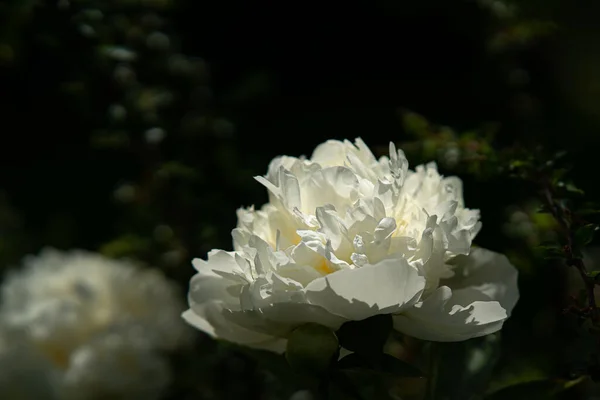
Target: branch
564, 219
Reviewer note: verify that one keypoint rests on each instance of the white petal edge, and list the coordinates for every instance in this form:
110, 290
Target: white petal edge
489, 272
447, 316
210, 318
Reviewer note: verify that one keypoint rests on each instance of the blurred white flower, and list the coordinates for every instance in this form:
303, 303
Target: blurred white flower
97, 320
25, 374
110, 367
346, 236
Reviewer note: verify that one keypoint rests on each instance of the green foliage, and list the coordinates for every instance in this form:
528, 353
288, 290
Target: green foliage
516, 374
584, 235
521, 33
552, 251
415, 124
594, 275
536, 389
469, 151
126, 246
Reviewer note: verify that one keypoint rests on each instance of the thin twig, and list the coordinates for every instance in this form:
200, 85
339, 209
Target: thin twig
562, 216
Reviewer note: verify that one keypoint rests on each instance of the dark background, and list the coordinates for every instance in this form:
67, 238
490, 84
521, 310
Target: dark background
270, 78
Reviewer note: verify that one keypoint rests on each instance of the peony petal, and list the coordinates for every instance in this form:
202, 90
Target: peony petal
211, 318
387, 287
286, 162
218, 261
336, 186
331, 225
226, 290
212, 298
447, 316
264, 328
330, 153
285, 189
219, 279
489, 272
341, 179
280, 319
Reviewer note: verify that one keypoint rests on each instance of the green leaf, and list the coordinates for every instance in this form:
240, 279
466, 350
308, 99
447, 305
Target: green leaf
558, 174
571, 188
542, 209
595, 275
551, 251
384, 363
517, 164
367, 336
311, 349
517, 373
544, 221
585, 234
125, 246
541, 389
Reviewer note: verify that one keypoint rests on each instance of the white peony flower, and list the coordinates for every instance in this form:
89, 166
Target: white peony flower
96, 320
24, 373
346, 236
110, 367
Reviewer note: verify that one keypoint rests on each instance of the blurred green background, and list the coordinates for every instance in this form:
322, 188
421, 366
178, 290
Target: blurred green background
134, 128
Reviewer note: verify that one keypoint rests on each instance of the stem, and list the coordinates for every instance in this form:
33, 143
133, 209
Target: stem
561, 214
434, 366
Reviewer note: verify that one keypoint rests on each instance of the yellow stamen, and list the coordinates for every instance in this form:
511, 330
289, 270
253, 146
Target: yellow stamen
400, 227
58, 356
324, 268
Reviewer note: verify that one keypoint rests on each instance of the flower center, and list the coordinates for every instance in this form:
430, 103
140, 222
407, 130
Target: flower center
401, 225
57, 355
323, 267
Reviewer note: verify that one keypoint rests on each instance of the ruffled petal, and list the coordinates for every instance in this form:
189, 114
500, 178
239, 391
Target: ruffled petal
447, 316
490, 273
211, 318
